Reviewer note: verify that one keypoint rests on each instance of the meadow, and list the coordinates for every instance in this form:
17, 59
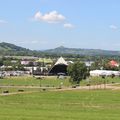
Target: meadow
45, 81
30, 83
53, 81
52, 104
62, 105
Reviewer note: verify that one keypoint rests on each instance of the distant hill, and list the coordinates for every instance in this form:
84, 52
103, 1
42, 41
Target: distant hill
11, 49
92, 52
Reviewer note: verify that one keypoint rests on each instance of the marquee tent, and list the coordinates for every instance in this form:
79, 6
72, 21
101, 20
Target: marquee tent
104, 72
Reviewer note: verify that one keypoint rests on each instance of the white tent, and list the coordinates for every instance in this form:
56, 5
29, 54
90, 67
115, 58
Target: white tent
104, 72
61, 61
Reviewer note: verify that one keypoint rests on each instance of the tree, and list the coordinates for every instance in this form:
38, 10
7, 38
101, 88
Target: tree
1, 62
77, 72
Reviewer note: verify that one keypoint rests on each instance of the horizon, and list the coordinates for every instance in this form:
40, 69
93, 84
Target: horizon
62, 47
44, 24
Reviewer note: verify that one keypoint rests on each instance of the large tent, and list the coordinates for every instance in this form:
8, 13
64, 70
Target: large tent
60, 67
104, 72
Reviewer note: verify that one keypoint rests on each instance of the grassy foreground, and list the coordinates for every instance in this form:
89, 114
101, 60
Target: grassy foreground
30, 83
52, 81
46, 81
64, 105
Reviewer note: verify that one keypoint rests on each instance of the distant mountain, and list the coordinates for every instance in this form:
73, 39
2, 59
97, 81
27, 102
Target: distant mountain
92, 52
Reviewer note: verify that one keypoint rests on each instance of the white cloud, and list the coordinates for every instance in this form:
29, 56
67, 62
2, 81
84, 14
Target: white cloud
3, 21
68, 25
51, 17
116, 44
114, 27
34, 41
27, 42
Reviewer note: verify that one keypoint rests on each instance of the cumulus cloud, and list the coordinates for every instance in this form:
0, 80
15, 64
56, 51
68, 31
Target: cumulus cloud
114, 27
53, 17
50, 17
68, 25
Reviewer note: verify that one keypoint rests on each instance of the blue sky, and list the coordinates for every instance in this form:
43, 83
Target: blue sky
44, 24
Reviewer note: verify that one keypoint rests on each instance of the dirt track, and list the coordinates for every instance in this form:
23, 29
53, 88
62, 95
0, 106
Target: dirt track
93, 87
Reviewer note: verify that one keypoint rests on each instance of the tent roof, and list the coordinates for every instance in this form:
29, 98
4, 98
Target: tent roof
61, 61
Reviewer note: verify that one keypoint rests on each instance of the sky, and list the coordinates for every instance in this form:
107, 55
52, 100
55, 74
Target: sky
46, 24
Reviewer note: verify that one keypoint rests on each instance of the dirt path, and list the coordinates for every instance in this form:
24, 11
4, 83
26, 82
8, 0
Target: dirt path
92, 87
5, 86
15, 93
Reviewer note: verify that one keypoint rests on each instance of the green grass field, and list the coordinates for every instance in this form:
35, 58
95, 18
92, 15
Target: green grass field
47, 81
64, 105
51, 82
23, 82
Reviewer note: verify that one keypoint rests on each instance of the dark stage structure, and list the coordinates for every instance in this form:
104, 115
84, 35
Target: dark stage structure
60, 67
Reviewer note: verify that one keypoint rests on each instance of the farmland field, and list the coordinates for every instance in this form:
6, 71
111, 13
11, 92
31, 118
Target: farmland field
62, 105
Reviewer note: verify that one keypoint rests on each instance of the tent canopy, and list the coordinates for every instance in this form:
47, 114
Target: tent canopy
59, 67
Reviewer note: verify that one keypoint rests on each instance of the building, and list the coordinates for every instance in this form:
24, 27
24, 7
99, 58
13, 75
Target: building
113, 63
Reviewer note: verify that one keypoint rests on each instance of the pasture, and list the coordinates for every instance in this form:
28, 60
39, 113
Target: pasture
62, 105
53, 81
45, 81
34, 103
30, 83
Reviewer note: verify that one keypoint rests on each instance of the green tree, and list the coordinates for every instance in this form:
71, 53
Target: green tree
1, 62
77, 72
